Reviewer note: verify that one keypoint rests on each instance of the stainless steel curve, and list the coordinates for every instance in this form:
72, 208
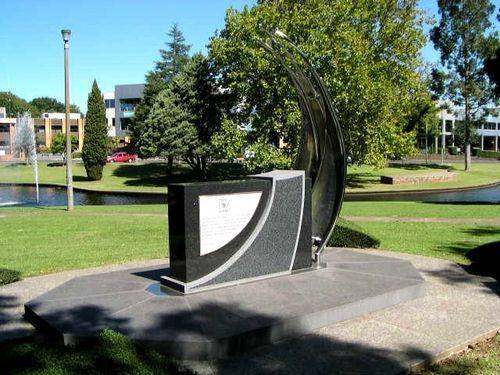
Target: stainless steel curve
321, 152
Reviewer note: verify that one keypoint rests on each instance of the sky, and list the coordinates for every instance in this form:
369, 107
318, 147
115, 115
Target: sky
113, 41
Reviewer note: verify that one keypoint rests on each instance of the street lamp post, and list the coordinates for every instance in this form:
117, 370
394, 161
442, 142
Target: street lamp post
69, 174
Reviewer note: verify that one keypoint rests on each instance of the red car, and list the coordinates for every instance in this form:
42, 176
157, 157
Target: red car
122, 157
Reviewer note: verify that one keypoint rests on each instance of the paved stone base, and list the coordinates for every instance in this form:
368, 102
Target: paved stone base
219, 323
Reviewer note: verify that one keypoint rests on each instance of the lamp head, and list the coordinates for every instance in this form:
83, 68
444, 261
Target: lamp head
65, 35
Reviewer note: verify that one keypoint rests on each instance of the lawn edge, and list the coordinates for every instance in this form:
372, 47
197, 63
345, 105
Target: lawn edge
347, 193
447, 353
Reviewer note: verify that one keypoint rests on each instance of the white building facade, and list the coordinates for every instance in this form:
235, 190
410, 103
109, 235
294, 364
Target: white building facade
120, 108
109, 103
488, 131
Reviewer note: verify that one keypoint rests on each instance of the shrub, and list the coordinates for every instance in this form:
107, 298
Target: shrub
58, 145
9, 276
453, 150
348, 234
263, 157
488, 154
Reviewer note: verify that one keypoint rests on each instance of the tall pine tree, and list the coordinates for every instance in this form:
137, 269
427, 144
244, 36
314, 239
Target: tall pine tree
185, 116
172, 60
96, 135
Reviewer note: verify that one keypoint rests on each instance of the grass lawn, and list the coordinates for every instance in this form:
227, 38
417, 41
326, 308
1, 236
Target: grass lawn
365, 178
438, 240
35, 241
142, 177
112, 354
481, 359
151, 177
421, 209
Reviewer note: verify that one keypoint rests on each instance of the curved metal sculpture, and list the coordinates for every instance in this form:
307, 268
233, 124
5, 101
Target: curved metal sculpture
321, 152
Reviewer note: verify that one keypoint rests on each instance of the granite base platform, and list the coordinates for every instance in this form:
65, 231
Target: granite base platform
227, 321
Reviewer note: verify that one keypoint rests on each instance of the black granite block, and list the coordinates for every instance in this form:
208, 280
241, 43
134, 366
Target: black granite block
276, 241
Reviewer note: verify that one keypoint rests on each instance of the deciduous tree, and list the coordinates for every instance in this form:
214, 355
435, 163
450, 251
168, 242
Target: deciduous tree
367, 53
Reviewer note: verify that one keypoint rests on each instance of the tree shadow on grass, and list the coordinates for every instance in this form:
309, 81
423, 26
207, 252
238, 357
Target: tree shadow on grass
348, 234
417, 166
153, 174
361, 180
9, 276
485, 259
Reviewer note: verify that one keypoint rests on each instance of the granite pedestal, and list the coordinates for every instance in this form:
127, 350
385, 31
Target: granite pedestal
224, 232
219, 323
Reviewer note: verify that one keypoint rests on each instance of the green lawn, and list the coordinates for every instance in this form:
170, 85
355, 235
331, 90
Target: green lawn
112, 354
481, 359
421, 209
141, 177
365, 178
438, 240
35, 241
151, 177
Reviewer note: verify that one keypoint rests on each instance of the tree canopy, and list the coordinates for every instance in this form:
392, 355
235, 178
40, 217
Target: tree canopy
46, 104
170, 64
15, 105
368, 54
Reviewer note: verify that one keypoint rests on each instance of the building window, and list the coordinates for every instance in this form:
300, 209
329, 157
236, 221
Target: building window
128, 105
449, 126
4, 128
125, 123
110, 103
56, 129
113, 122
490, 126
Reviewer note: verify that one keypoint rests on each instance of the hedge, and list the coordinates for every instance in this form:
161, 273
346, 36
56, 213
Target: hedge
488, 154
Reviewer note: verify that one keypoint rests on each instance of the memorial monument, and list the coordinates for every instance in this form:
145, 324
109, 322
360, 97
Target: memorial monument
229, 232
246, 257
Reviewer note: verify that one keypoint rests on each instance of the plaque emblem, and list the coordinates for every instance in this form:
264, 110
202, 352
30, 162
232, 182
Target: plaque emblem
224, 205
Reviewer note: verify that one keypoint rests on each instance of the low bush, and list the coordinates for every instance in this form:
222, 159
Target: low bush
226, 171
9, 276
488, 154
348, 234
94, 172
453, 150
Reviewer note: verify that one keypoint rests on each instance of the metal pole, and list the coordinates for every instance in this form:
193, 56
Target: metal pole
69, 172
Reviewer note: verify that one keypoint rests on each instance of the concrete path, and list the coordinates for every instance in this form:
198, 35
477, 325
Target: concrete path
458, 309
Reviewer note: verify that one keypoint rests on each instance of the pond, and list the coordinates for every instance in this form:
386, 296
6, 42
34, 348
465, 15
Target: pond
24, 195
489, 194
